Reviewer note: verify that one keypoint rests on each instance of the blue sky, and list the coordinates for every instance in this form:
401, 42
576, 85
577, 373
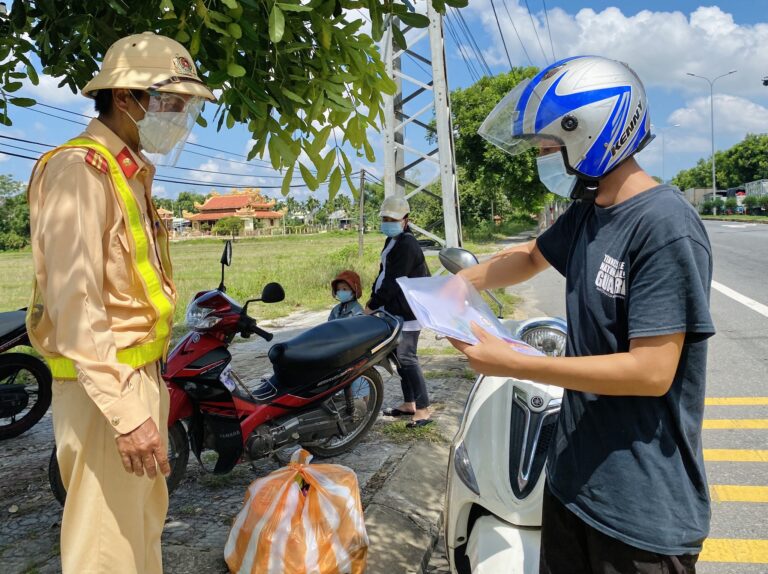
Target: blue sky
661, 40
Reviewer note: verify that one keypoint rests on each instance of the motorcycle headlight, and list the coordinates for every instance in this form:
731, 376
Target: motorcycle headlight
548, 335
199, 318
463, 467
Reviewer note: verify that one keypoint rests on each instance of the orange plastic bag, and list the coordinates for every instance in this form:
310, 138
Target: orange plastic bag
300, 519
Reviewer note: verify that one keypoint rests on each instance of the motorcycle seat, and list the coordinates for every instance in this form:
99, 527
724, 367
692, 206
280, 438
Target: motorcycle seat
322, 350
10, 322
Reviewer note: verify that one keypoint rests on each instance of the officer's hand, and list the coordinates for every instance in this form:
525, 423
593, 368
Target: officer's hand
143, 449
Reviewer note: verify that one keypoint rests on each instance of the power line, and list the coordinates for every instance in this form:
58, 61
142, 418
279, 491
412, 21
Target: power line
549, 29
473, 42
470, 67
266, 163
501, 34
185, 182
182, 168
522, 45
536, 31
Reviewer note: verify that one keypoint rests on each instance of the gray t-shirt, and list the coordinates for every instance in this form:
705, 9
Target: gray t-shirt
632, 467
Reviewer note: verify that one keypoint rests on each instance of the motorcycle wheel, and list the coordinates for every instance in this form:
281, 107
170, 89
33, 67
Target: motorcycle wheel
367, 389
23, 369
178, 456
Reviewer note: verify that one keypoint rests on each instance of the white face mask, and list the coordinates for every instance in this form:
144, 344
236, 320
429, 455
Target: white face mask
553, 175
160, 132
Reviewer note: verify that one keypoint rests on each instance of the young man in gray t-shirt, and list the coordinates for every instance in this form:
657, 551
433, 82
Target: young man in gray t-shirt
626, 488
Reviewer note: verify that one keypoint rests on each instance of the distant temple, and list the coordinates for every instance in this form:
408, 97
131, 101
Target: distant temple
166, 216
249, 205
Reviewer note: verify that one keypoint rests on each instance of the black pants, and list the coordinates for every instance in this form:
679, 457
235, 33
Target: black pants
411, 378
570, 546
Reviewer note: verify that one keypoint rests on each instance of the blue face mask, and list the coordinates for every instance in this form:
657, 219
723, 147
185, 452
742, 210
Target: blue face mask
344, 296
554, 176
391, 228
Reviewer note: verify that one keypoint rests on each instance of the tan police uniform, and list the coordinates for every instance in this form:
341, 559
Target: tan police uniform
101, 315
95, 305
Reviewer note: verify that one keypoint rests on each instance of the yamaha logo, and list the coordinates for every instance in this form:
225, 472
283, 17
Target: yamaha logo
537, 402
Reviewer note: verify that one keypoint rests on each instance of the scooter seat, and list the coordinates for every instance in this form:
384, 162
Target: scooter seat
322, 350
10, 322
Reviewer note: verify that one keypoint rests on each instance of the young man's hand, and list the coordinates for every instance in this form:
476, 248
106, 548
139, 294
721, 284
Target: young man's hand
490, 355
142, 450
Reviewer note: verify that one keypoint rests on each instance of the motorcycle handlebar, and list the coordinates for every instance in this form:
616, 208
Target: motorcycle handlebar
250, 327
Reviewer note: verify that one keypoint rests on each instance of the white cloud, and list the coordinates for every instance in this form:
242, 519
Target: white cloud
733, 114
48, 91
660, 46
4, 157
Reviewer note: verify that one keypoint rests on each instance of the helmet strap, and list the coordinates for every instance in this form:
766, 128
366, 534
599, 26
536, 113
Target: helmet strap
585, 190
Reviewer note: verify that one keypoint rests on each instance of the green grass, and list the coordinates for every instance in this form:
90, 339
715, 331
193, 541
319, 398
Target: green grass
398, 433
745, 218
303, 264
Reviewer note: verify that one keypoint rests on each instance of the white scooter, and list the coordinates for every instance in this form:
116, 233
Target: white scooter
496, 467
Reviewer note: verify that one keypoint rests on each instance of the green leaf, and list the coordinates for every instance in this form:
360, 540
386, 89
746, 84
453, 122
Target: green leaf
292, 96
352, 188
308, 178
12, 86
327, 165
194, 45
231, 4
230, 121
22, 102
32, 73
457, 3
415, 20
286, 187
235, 70
274, 152
295, 7
276, 24
325, 34
182, 36
235, 31
369, 155
399, 38
334, 184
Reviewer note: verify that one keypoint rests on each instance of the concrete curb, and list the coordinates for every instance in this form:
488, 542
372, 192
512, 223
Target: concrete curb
405, 517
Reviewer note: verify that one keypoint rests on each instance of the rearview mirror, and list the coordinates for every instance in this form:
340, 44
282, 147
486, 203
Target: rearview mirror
272, 293
454, 259
226, 256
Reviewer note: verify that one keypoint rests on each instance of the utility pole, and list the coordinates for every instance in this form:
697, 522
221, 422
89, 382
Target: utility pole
361, 215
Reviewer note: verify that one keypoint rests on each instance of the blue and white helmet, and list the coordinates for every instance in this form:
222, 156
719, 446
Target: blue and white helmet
595, 108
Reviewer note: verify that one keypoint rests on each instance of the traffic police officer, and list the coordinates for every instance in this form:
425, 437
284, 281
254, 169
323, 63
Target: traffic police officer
104, 299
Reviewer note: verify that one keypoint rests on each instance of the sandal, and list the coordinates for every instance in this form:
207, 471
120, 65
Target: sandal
396, 413
419, 424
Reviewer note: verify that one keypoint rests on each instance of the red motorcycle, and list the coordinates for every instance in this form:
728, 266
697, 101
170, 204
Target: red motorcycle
324, 395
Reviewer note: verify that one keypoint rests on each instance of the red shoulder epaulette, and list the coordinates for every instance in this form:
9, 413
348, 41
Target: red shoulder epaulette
96, 160
127, 163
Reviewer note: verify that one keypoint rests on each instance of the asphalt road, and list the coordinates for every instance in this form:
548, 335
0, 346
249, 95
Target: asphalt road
737, 370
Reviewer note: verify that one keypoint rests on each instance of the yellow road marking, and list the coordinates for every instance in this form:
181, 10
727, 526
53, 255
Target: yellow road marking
735, 550
735, 401
735, 455
735, 423
736, 493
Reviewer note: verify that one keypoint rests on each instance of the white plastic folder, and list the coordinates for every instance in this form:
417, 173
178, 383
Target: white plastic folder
448, 309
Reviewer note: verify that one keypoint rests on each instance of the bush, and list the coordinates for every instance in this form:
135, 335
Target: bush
12, 241
731, 204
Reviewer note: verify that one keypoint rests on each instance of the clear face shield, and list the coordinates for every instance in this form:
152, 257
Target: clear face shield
166, 125
505, 127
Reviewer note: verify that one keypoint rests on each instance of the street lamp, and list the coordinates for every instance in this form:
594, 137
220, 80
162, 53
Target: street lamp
712, 120
662, 131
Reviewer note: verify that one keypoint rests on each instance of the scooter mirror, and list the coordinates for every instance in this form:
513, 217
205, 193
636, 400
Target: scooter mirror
455, 259
226, 256
272, 293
